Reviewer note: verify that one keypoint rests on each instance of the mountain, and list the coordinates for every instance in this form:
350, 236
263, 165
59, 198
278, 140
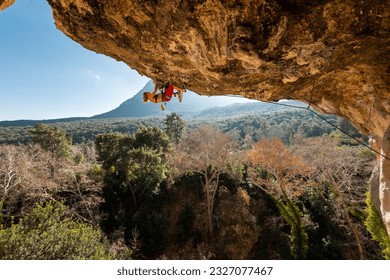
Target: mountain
191, 103
192, 106
253, 108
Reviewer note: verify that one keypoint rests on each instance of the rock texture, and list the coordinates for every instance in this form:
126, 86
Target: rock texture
332, 54
384, 181
4, 4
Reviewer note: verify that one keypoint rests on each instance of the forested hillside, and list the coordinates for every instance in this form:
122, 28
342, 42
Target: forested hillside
250, 121
275, 186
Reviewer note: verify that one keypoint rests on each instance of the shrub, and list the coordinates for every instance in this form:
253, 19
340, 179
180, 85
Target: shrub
298, 236
47, 233
376, 227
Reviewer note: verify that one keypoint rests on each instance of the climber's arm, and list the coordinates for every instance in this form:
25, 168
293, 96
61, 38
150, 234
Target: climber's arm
155, 89
178, 89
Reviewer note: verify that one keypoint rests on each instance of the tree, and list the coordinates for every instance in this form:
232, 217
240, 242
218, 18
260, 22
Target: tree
24, 177
143, 171
283, 175
209, 152
174, 127
152, 226
336, 166
347, 126
10, 175
47, 233
152, 138
107, 147
52, 139
289, 171
134, 162
185, 222
134, 166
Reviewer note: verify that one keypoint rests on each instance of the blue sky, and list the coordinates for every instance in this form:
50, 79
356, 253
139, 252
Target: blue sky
45, 75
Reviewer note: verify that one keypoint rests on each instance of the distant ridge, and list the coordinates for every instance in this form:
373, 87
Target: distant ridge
135, 108
192, 106
246, 109
35, 122
191, 103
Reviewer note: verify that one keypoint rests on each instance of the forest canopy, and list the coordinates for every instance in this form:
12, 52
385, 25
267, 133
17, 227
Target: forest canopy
277, 186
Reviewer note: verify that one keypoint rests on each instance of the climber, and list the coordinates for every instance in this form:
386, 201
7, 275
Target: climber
165, 95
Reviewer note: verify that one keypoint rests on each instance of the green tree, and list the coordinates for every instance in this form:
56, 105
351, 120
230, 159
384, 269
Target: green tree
134, 162
152, 138
47, 233
376, 227
347, 126
153, 231
325, 235
134, 167
107, 147
143, 171
174, 127
293, 216
52, 139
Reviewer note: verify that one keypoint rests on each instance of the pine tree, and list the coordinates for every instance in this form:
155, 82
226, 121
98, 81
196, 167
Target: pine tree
174, 127
52, 139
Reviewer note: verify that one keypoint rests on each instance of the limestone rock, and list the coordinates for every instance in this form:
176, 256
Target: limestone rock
332, 54
4, 4
374, 188
384, 180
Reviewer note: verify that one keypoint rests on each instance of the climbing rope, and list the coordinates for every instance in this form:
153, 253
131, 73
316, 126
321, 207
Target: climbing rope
309, 108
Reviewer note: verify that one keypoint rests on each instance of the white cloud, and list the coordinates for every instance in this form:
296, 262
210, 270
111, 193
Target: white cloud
92, 74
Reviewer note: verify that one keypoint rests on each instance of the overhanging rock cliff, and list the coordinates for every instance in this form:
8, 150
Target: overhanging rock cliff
4, 4
332, 54
265, 50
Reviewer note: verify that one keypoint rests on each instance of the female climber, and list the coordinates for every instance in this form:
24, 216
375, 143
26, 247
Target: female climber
165, 94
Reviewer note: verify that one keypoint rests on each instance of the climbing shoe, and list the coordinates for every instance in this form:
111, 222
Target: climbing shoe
180, 96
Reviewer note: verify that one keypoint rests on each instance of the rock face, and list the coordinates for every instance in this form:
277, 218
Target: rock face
332, 54
384, 181
4, 4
